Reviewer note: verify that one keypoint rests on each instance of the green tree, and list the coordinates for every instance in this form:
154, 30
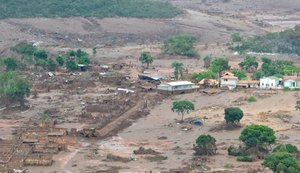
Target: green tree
257, 75
79, 53
203, 75
205, 145
14, 88
84, 60
218, 65
288, 148
207, 60
51, 65
258, 136
11, 63
178, 69
239, 74
181, 45
146, 58
40, 54
42, 63
281, 162
249, 64
233, 115
182, 107
71, 65
60, 60
236, 37
24, 48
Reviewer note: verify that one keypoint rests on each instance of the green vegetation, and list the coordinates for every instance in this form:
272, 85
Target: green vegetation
244, 159
258, 136
24, 48
95, 8
178, 69
11, 63
207, 60
232, 151
280, 42
205, 145
203, 75
236, 37
282, 162
60, 60
233, 115
239, 74
249, 64
288, 148
219, 64
13, 88
71, 65
257, 75
182, 107
228, 166
181, 45
251, 99
146, 58
297, 105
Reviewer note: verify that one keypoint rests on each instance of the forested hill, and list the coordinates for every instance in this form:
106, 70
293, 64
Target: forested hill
86, 8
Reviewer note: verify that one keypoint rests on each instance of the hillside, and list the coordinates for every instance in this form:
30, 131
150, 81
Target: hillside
95, 8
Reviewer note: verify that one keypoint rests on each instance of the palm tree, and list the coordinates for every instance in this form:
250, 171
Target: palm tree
146, 58
178, 69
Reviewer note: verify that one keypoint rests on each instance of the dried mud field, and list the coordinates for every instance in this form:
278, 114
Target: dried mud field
111, 128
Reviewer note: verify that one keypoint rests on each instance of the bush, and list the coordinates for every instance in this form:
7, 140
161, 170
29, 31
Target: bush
84, 60
72, 65
24, 48
40, 54
289, 148
228, 166
239, 74
60, 60
244, 159
11, 63
251, 99
91, 8
281, 162
236, 37
233, 115
51, 65
232, 151
181, 45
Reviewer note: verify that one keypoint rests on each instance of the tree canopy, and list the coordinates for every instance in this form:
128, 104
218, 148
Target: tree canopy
239, 74
249, 64
182, 107
181, 45
233, 115
258, 136
219, 64
204, 75
14, 88
207, 61
205, 145
282, 162
146, 58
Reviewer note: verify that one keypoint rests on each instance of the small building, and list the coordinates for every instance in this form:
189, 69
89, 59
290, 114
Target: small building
177, 87
228, 80
150, 78
291, 81
271, 82
248, 84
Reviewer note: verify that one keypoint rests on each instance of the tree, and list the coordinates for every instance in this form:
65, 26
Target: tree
51, 65
233, 115
84, 60
182, 107
146, 58
288, 148
42, 63
249, 64
257, 75
178, 69
281, 162
204, 75
40, 54
236, 37
60, 60
218, 65
71, 65
239, 74
205, 145
14, 88
207, 61
258, 136
79, 53
11, 63
181, 45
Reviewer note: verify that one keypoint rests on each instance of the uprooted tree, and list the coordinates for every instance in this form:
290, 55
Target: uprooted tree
182, 107
205, 145
13, 88
233, 115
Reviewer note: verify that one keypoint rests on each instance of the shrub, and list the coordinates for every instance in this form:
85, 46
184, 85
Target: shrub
251, 99
41, 54
205, 145
236, 37
281, 162
232, 151
24, 48
60, 60
181, 45
71, 65
239, 74
289, 148
228, 166
51, 65
11, 63
244, 159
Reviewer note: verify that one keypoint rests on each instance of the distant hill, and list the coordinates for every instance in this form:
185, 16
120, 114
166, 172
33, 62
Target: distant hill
281, 42
86, 8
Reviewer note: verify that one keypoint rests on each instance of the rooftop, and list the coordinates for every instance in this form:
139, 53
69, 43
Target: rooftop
178, 83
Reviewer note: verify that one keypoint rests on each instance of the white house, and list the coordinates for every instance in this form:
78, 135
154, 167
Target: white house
228, 80
179, 86
271, 82
291, 81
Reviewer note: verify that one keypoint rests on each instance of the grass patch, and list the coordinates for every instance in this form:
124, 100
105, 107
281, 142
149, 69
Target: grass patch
90, 8
228, 166
252, 99
244, 159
